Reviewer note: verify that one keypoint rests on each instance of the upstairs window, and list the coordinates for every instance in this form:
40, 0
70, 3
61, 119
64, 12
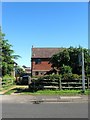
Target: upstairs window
38, 61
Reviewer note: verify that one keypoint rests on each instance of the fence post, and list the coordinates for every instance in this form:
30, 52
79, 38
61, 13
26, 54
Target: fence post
60, 84
34, 84
88, 83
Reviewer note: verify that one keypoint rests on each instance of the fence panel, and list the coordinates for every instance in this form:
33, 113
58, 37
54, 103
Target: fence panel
60, 84
7, 82
74, 84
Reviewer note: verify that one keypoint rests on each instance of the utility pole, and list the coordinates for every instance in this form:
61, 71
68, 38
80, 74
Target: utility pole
83, 73
81, 63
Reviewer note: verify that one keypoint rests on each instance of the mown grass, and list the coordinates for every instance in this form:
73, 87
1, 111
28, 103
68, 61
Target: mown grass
56, 92
62, 92
26, 91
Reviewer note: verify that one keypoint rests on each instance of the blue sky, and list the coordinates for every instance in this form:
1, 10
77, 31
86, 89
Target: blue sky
60, 24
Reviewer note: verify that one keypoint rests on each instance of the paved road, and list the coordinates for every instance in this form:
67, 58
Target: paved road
23, 107
45, 110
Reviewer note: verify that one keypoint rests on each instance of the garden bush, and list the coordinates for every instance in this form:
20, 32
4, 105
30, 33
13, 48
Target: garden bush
50, 77
66, 69
70, 76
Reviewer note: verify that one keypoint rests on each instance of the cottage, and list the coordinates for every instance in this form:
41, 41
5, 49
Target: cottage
40, 60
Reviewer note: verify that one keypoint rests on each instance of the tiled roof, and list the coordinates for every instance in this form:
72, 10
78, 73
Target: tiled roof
44, 52
43, 66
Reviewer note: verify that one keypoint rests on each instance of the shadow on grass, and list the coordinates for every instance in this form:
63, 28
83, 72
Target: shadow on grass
20, 90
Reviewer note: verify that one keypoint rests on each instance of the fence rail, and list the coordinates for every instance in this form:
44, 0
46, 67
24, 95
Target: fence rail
59, 84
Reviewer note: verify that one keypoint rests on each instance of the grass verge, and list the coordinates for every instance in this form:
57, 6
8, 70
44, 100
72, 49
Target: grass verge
26, 91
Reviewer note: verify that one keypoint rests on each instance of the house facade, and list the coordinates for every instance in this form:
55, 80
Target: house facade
40, 57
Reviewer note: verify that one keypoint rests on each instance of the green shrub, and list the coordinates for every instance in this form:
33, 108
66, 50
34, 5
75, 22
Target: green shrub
66, 76
55, 76
50, 77
70, 76
8, 76
66, 69
76, 76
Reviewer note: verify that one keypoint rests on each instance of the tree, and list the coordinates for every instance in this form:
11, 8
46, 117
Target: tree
60, 58
0, 52
74, 54
19, 70
70, 57
7, 55
66, 69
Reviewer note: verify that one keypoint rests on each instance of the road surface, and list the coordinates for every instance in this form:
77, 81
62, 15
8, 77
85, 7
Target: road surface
23, 107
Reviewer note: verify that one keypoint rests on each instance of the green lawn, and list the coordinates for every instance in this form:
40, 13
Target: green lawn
46, 92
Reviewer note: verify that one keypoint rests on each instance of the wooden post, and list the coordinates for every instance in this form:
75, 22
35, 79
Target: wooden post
34, 85
60, 84
88, 83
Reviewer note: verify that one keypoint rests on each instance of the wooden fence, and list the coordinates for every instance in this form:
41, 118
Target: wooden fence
7, 82
59, 84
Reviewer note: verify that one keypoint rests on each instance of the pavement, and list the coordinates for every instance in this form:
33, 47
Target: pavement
58, 99
37, 99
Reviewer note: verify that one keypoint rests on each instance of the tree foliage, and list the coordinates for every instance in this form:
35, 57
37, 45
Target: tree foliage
19, 70
66, 69
6, 55
70, 57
